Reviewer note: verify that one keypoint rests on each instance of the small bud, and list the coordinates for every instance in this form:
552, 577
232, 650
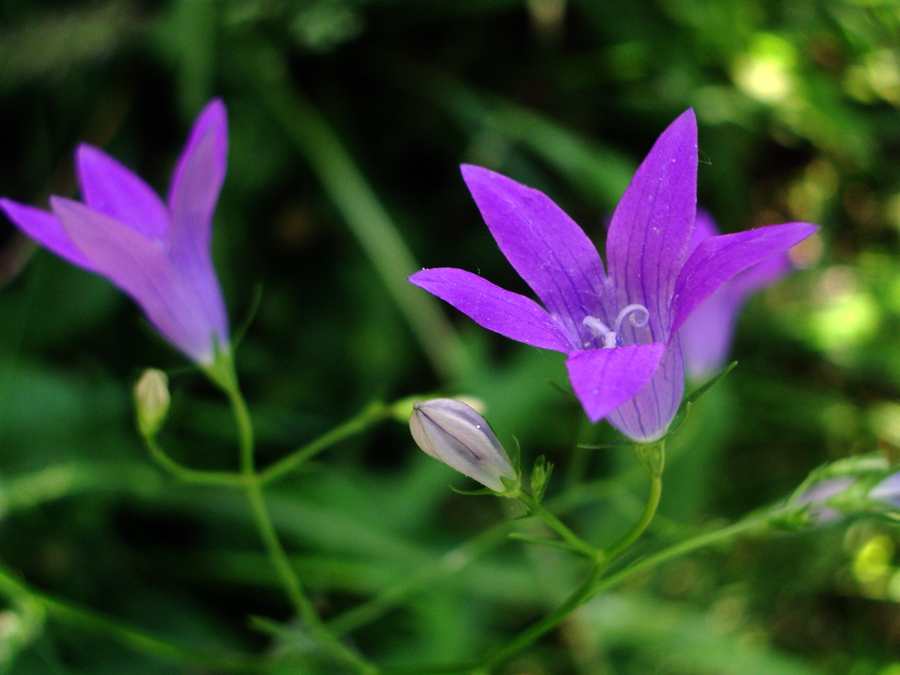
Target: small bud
151, 398
455, 434
817, 497
887, 491
540, 477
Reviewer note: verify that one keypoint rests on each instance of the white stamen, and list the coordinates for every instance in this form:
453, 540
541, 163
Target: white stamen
638, 315
643, 316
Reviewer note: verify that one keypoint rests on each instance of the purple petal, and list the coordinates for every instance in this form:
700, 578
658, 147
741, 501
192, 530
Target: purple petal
510, 314
115, 191
706, 335
718, 259
141, 268
888, 490
646, 416
198, 178
548, 250
605, 378
651, 228
46, 230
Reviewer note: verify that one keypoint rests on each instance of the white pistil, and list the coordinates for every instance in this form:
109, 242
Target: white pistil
636, 314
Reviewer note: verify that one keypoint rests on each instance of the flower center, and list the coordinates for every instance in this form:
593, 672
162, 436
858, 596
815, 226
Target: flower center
636, 314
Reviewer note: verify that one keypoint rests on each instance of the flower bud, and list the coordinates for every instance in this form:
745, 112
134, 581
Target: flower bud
151, 398
458, 436
817, 496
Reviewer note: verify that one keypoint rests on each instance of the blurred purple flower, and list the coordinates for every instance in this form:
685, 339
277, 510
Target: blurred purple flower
158, 253
620, 332
816, 496
707, 333
887, 491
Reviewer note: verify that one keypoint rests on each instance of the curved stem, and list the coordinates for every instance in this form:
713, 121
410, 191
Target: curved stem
188, 475
533, 632
145, 642
678, 550
372, 413
576, 543
289, 580
632, 535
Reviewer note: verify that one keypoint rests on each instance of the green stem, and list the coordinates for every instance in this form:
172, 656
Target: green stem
533, 632
632, 535
576, 544
147, 643
678, 550
289, 580
188, 475
374, 412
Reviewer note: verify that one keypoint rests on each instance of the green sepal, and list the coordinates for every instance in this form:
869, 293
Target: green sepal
540, 478
652, 456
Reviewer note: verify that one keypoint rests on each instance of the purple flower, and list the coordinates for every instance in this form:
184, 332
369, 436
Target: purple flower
887, 491
619, 329
453, 433
156, 252
706, 335
816, 496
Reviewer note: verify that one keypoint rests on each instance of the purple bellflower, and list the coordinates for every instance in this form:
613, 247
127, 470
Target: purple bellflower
156, 252
618, 327
706, 335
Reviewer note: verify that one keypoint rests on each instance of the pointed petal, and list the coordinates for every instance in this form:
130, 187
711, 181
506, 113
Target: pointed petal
46, 230
140, 267
706, 335
548, 250
718, 259
198, 177
510, 314
651, 228
646, 416
604, 379
110, 188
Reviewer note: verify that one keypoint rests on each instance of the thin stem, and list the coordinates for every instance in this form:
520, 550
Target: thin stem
450, 563
135, 638
678, 550
372, 413
188, 475
574, 541
632, 535
289, 580
533, 632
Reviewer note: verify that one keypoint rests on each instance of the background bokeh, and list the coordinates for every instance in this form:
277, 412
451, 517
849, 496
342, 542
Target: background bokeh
348, 120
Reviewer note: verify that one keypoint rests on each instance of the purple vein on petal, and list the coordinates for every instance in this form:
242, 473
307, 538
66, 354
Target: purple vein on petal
543, 244
650, 231
718, 259
509, 314
604, 379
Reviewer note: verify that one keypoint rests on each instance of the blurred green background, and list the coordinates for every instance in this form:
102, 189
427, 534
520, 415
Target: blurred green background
348, 120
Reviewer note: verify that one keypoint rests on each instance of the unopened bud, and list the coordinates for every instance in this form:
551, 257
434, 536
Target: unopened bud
455, 434
151, 398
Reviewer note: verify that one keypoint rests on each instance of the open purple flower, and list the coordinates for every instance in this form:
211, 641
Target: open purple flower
156, 252
619, 329
706, 335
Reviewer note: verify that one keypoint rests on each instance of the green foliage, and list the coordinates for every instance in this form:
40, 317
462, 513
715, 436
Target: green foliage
348, 119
